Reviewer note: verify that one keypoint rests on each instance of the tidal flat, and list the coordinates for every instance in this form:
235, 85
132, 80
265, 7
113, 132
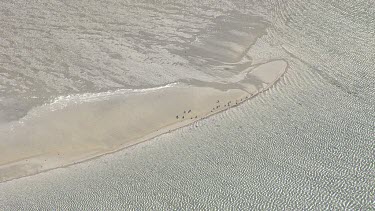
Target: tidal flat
305, 143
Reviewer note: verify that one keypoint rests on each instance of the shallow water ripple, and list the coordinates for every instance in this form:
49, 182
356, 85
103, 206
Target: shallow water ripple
305, 144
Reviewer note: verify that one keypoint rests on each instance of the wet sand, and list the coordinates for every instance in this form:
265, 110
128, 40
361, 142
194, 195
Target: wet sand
71, 131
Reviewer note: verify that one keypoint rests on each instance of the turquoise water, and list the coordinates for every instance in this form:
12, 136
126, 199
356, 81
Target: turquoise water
307, 143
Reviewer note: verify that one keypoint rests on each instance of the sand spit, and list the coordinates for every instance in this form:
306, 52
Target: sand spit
55, 136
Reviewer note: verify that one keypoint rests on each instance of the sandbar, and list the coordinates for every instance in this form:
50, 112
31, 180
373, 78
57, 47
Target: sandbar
79, 128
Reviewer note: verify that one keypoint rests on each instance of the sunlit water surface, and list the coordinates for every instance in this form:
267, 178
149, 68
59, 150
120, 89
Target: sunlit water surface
307, 143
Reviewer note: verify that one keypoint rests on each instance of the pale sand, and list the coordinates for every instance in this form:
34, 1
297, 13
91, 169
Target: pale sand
81, 131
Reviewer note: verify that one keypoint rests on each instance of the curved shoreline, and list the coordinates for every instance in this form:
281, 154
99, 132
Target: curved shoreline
100, 149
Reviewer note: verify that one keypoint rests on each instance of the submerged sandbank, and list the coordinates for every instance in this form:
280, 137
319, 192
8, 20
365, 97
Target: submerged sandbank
75, 129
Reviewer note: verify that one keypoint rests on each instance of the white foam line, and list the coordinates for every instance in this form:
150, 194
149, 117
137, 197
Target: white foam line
92, 97
63, 101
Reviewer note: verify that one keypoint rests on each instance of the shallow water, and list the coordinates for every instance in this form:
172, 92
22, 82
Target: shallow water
307, 143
